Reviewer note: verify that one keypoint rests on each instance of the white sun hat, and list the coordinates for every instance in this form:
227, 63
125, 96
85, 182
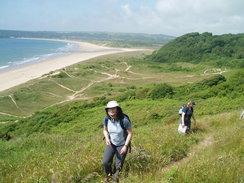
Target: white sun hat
112, 104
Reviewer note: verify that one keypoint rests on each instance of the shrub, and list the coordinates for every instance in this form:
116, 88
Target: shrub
161, 91
141, 93
60, 75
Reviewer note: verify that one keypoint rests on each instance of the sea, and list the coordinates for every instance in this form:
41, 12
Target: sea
15, 53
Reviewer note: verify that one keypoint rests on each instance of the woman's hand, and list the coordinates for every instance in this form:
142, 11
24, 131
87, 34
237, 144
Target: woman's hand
108, 143
106, 135
128, 139
123, 150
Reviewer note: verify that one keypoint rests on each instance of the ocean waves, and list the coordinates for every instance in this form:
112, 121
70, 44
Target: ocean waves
16, 53
4, 66
34, 52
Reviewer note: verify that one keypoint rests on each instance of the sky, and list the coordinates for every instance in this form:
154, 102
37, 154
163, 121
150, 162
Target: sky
170, 17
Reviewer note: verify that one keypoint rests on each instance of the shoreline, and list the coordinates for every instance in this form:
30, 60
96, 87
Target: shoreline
83, 46
12, 78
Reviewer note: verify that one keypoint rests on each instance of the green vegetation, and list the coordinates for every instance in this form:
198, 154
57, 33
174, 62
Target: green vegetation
216, 88
106, 76
61, 136
108, 38
224, 50
224, 155
63, 142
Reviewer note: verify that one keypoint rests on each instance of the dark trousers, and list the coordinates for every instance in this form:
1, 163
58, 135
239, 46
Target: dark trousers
110, 152
187, 123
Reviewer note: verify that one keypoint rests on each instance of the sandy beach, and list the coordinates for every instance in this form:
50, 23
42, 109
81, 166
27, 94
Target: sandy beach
9, 79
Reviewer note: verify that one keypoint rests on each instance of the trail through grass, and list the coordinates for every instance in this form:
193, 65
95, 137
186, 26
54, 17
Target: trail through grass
100, 77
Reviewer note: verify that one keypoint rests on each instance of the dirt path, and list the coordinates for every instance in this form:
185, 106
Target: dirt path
79, 94
213, 71
203, 144
6, 114
15, 103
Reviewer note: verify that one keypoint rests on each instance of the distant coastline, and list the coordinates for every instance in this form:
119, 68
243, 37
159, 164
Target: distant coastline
84, 46
11, 78
16, 53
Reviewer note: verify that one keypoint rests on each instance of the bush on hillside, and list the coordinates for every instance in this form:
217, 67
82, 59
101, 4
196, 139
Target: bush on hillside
161, 91
100, 100
142, 93
195, 47
200, 86
215, 80
60, 75
237, 78
232, 88
126, 96
227, 62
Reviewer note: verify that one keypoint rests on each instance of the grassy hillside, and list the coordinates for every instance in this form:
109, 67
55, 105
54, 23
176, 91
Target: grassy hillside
106, 76
222, 50
61, 140
72, 152
215, 89
53, 144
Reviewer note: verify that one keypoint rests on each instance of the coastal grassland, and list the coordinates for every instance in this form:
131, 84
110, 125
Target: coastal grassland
224, 155
217, 158
64, 143
104, 76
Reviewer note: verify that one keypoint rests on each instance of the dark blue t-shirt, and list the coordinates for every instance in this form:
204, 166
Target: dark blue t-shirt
188, 113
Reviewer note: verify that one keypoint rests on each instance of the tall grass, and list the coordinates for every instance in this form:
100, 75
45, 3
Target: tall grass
72, 152
219, 162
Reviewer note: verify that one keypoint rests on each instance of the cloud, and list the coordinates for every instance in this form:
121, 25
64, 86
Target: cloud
216, 16
172, 17
169, 6
126, 9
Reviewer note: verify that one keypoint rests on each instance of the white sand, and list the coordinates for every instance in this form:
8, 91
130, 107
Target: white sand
21, 75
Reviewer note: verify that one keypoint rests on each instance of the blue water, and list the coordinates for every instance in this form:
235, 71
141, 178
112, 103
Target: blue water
15, 53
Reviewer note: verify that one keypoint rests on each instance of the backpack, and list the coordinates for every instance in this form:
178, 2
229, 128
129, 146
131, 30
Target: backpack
181, 109
121, 121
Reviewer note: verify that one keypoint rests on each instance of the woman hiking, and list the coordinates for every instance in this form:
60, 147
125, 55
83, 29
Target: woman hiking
118, 133
187, 113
